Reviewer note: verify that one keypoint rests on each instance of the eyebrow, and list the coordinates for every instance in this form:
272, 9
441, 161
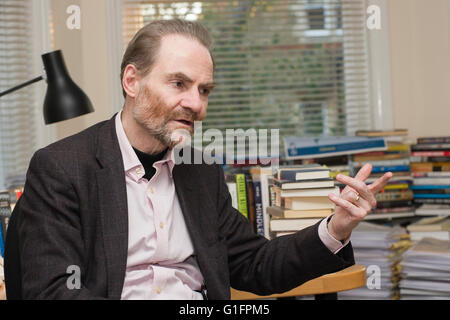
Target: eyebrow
182, 76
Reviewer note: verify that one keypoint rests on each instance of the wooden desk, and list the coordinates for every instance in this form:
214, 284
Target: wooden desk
350, 278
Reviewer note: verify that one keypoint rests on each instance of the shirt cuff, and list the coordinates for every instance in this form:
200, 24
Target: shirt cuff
328, 240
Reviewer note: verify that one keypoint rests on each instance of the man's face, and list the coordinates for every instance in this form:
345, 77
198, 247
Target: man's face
175, 92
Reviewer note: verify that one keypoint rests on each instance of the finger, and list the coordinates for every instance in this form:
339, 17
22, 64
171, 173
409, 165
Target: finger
364, 172
349, 207
352, 196
380, 183
358, 186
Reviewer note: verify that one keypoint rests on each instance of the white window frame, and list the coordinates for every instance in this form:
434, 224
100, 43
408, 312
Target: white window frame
380, 71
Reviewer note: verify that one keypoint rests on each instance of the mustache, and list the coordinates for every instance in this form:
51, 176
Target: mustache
186, 114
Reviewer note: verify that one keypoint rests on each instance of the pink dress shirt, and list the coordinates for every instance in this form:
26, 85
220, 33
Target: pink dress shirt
160, 261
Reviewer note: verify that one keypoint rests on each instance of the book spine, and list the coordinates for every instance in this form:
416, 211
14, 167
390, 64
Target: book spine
393, 204
241, 194
430, 146
265, 196
432, 200
378, 169
351, 147
233, 194
430, 153
432, 140
382, 163
431, 195
430, 187
5, 204
251, 201
259, 214
389, 196
2, 239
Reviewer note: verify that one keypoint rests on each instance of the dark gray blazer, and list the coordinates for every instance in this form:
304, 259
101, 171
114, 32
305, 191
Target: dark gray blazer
74, 212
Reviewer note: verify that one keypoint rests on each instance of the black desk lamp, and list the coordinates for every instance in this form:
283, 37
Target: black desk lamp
64, 99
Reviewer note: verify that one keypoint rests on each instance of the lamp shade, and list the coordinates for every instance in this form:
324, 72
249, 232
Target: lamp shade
64, 99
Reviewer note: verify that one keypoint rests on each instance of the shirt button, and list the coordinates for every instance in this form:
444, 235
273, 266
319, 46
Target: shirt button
158, 290
139, 170
161, 225
151, 190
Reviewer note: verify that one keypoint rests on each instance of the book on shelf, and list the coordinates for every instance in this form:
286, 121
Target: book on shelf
432, 200
280, 212
395, 196
382, 163
429, 166
231, 184
433, 140
308, 148
440, 153
250, 201
380, 156
306, 184
304, 174
316, 192
241, 194
308, 203
389, 215
277, 225
433, 209
5, 203
432, 181
382, 133
430, 146
439, 223
261, 177
445, 174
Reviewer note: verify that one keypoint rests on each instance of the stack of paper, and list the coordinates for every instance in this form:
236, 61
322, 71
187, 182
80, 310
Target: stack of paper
376, 247
430, 227
426, 271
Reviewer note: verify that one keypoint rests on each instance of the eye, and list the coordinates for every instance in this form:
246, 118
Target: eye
178, 84
205, 91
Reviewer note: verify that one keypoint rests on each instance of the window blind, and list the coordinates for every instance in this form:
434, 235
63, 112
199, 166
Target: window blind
300, 66
17, 124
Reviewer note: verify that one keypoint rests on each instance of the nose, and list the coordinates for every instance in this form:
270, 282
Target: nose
194, 101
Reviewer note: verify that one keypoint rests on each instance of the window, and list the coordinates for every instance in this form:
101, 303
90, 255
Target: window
17, 109
297, 65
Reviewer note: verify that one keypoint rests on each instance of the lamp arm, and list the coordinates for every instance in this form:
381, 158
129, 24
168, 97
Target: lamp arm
22, 85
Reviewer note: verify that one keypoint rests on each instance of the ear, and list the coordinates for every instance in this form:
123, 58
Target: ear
130, 80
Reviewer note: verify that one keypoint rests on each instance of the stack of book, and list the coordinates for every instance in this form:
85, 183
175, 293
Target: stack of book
301, 198
434, 227
430, 167
426, 271
378, 248
396, 199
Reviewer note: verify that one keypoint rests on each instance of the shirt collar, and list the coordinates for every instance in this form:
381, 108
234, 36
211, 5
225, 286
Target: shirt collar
131, 162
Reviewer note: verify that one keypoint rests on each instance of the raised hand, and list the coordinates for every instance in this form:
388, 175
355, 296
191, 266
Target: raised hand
355, 201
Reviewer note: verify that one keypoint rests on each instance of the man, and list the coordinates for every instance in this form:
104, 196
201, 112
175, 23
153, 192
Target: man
110, 206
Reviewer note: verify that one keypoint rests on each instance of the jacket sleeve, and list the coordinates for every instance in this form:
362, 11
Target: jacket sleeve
265, 267
50, 239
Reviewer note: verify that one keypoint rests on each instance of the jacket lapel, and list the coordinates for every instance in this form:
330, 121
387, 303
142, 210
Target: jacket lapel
112, 197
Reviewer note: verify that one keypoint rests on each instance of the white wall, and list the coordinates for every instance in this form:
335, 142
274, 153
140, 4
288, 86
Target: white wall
86, 54
420, 65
